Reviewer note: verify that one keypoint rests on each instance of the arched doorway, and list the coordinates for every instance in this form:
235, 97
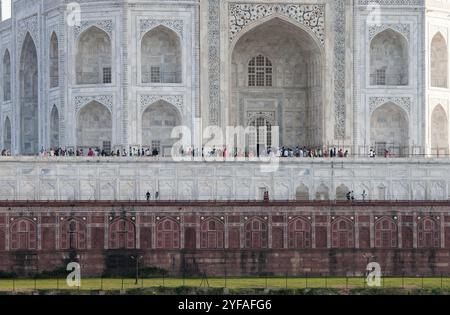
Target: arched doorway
54, 128
439, 132
260, 137
94, 127
389, 130
158, 121
29, 89
161, 56
439, 62
389, 59
94, 57
276, 71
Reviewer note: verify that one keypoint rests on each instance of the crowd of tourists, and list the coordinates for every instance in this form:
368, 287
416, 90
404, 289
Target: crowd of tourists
219, 152
280, 152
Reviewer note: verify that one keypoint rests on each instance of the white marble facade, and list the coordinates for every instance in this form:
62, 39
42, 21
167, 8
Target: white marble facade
30, 178
337, 69
356, 73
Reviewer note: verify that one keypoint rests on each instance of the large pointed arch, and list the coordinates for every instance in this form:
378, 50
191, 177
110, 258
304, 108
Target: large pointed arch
29, 97
296, 70
161, 56
94, 127
439, 132
389, 59
94, 57
54, 61
389, 130
158, 121
439, 61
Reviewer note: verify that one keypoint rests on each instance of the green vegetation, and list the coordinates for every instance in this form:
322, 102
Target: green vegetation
279, 285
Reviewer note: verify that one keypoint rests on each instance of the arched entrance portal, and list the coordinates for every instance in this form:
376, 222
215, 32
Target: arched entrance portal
276, 71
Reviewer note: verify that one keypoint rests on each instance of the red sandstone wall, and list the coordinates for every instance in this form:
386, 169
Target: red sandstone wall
237, 240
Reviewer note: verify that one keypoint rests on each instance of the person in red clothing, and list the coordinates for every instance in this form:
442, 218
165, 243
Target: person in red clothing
91, 152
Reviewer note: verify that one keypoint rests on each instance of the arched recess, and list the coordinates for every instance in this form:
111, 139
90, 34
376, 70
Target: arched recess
386, 233
439, 62
276, 69
94, 57
161, 56
212, 235
256, 234
73, 234
428, 233
299, 234
54, 128
389, 130
7, 76
389, 59
29, 91
23, 235
322, 193
342, 233
158, 122
302, 192
94, 127
7, 135
168, 234
54, 61
439, 132
122, 234
341, 192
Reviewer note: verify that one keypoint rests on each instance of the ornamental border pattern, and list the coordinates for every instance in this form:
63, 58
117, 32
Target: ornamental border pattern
214, 61
402, 28
339, 69
311, 16
105, 25
24, 26
81, 101
392, 2
146, 100
377, 101
146, 25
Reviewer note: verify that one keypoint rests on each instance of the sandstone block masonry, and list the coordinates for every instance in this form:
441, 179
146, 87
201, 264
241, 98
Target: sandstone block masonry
233, 238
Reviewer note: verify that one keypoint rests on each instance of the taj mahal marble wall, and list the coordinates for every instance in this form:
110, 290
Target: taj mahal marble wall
194, 55
28, 178
97, 62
